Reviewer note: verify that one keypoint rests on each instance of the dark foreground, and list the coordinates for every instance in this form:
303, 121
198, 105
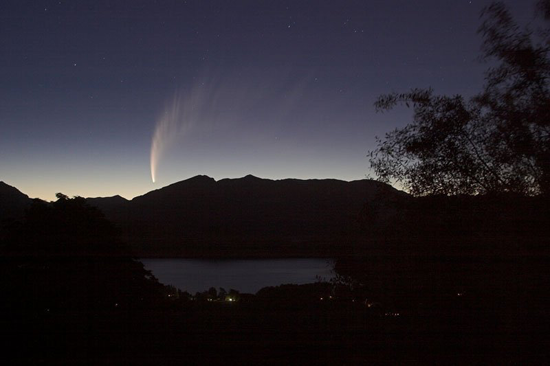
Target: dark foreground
275, 328
466, 283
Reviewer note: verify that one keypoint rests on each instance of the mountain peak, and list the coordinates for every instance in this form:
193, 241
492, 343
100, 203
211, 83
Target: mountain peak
251, 177
115, 198
200, 178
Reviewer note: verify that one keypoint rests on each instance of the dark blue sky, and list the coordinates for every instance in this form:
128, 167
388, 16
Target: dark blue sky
272, 88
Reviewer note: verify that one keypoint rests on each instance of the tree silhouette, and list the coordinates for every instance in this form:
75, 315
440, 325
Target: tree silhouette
67, 257
497, 141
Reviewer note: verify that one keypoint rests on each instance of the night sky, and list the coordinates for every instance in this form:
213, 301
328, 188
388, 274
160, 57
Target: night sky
276, 89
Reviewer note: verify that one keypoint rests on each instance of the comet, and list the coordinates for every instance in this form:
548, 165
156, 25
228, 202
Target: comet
167, 127
175, 121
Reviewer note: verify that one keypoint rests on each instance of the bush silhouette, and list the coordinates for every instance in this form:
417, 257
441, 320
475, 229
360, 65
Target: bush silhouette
65, 271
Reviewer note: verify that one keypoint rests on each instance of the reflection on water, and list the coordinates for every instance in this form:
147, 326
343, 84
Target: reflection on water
247, 276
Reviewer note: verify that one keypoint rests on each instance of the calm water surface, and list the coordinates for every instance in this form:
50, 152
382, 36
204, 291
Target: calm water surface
247, 276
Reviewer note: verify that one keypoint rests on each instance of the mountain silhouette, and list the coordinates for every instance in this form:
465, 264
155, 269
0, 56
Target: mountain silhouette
248, 216
12, 202
243, 217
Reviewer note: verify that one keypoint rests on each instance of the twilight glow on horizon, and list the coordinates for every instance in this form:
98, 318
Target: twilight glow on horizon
99, 98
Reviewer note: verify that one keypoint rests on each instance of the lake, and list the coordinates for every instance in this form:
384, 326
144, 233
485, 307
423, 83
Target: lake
247, 275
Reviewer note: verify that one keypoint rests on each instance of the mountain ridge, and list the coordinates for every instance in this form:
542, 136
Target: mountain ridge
244, 217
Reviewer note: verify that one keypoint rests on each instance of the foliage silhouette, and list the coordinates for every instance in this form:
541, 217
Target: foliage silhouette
497, 141
473, 243
63, 272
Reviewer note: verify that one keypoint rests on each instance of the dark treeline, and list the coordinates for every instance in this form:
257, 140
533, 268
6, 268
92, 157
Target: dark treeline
490, 251
64, 274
